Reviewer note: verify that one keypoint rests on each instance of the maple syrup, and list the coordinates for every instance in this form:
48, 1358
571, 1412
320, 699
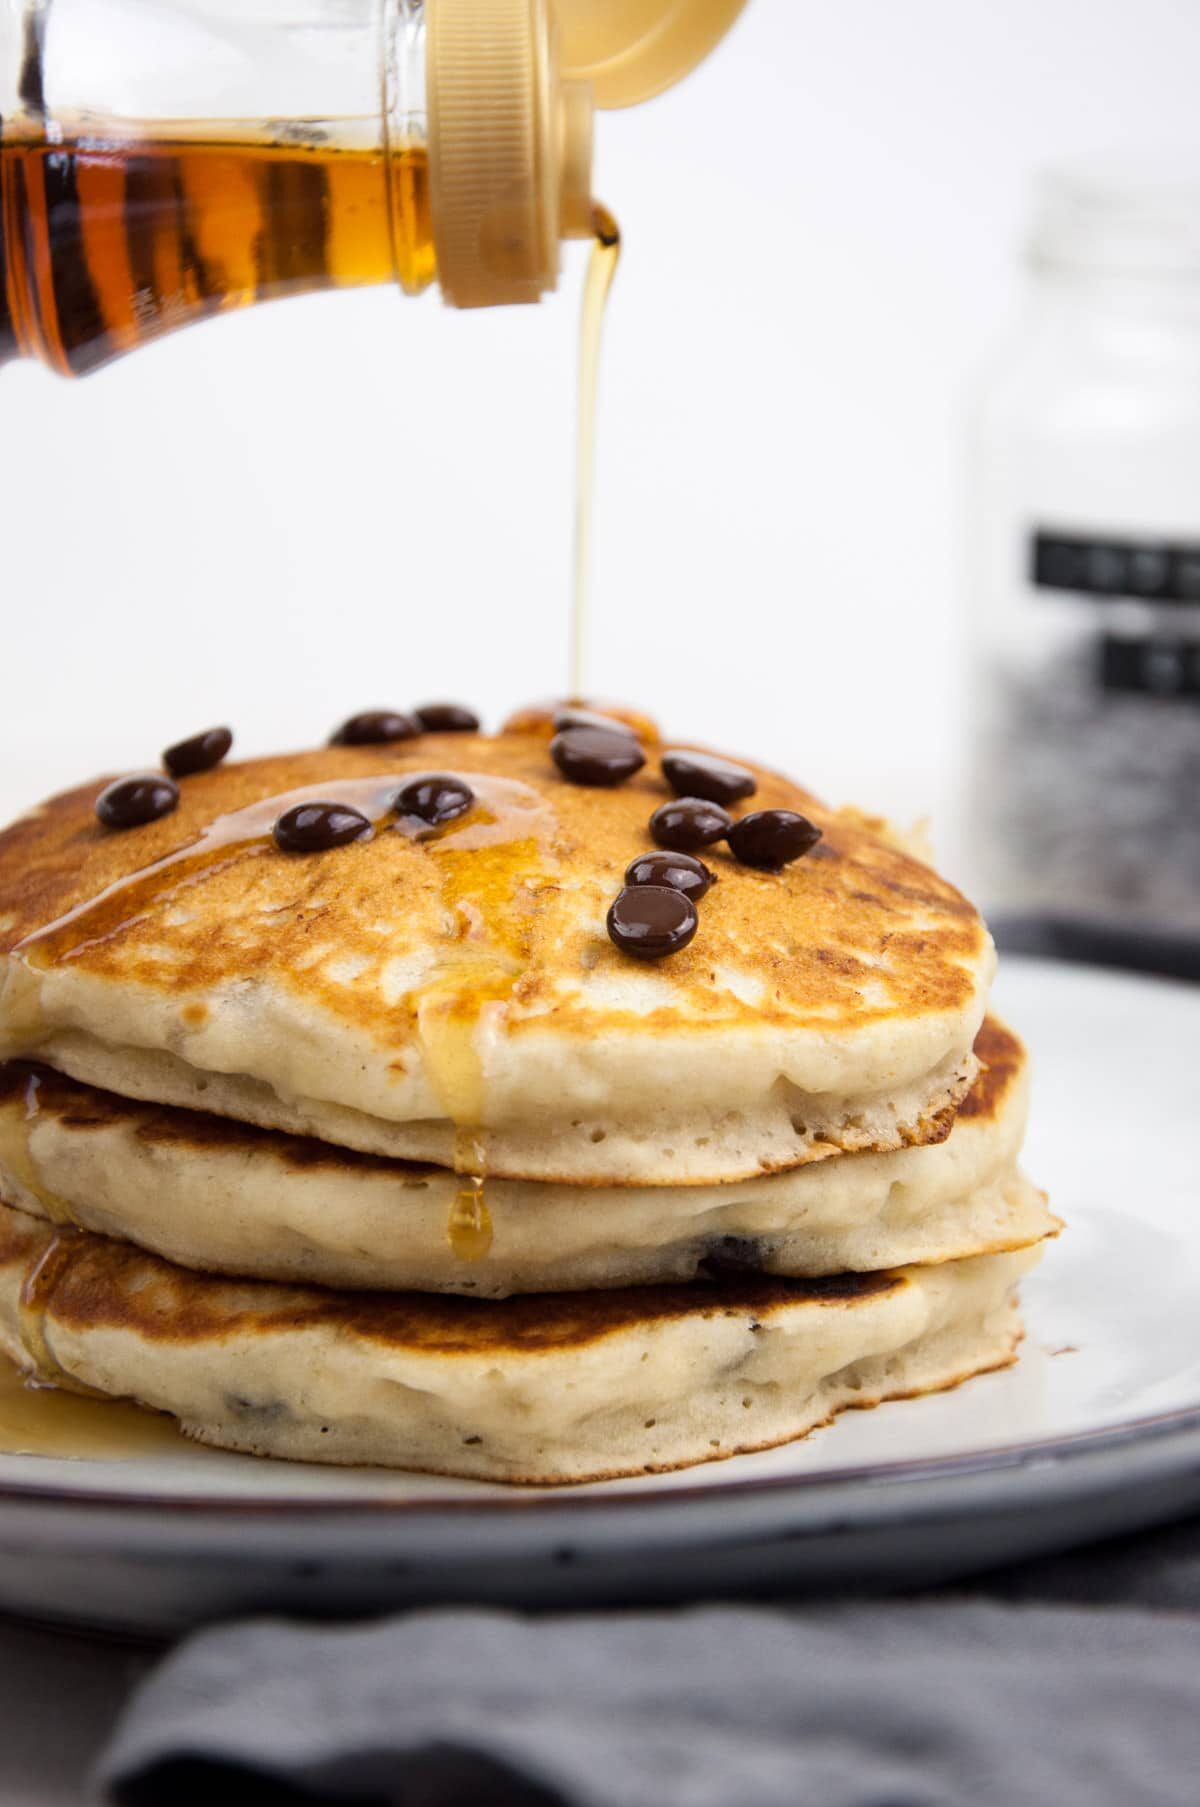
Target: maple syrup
51, 1413
36, 1289
469, 1229
40, 1420
602, 267
16, 1135
489, 884
108, 242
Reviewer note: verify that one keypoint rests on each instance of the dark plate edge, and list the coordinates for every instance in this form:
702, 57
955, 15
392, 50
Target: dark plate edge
1048, 1451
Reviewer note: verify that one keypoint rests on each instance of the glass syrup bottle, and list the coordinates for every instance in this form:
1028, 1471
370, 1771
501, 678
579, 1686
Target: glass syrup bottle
162, 161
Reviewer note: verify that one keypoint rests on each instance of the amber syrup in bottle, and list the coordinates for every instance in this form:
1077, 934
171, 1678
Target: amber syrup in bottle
109, 243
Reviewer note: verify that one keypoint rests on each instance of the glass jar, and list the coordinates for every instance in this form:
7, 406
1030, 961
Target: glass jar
1083, 822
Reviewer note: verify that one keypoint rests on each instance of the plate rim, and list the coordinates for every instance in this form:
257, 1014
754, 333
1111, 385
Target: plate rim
1002, 1459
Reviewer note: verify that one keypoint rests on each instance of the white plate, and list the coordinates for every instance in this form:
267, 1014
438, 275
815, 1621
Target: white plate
1095, 1430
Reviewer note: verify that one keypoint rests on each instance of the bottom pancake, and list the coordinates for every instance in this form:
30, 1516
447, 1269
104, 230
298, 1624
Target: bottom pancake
537, 1390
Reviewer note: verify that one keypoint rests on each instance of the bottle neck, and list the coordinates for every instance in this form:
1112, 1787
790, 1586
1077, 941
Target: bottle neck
1119, 235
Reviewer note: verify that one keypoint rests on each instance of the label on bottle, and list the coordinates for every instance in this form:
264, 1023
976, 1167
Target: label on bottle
1151, 665
1152, 653
1116, 570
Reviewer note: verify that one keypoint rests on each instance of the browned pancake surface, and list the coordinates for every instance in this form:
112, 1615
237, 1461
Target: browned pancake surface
81, 1108
857, 933
90, 1283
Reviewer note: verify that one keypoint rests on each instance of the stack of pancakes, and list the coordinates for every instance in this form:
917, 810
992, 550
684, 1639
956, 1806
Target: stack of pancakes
387, 1154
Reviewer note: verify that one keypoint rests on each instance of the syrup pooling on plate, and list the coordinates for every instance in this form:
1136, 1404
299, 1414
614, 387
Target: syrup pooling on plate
44, 1411
115, 234
40, 1420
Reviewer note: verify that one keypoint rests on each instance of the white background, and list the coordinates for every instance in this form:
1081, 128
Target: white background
313, 507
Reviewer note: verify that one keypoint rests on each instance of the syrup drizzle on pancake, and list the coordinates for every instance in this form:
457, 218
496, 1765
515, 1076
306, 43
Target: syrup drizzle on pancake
491, 893
506, 810
491, 863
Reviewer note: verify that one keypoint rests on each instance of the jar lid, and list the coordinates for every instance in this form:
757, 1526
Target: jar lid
1120, 215
510, 149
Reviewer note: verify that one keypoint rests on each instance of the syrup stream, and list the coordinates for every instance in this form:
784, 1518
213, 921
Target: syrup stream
602, 267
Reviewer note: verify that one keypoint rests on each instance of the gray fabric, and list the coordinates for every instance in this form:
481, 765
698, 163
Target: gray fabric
1068, 1683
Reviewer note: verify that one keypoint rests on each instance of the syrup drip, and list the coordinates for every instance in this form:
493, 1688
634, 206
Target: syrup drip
36, 1291
602, 267
469, 1229
449, 1012
49, 1412
16, 1153
491, 892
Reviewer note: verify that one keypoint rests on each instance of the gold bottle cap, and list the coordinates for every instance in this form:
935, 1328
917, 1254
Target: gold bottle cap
631, 49
510, 149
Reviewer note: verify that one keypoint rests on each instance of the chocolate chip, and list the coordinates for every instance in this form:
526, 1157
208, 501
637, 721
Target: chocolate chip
447, 718
689, 823
316, 827
376, 728
772, 838
732, 1257
702, 775
199, 754
437, 797
596, 756
679, 871
132, 802
652, 920
587, 718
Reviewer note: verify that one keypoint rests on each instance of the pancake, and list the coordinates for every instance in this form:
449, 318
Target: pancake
562, 1388
217, 1196
386, 994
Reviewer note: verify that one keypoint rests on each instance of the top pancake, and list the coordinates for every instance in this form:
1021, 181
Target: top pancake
382, 993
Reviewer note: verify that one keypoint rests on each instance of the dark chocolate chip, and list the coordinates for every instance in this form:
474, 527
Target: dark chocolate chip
571, 717
376, 728
689, 823
702, 775
316, 827
732, 1257
132, 802
437, 797
772, 838
652, 920
596, 756
679, 871
199, 754
447, 718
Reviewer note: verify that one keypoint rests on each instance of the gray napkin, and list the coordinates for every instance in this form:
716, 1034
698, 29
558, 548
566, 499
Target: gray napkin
1068, 1683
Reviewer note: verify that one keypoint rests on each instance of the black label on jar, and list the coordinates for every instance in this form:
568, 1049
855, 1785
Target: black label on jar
1157, 665
1116, 570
